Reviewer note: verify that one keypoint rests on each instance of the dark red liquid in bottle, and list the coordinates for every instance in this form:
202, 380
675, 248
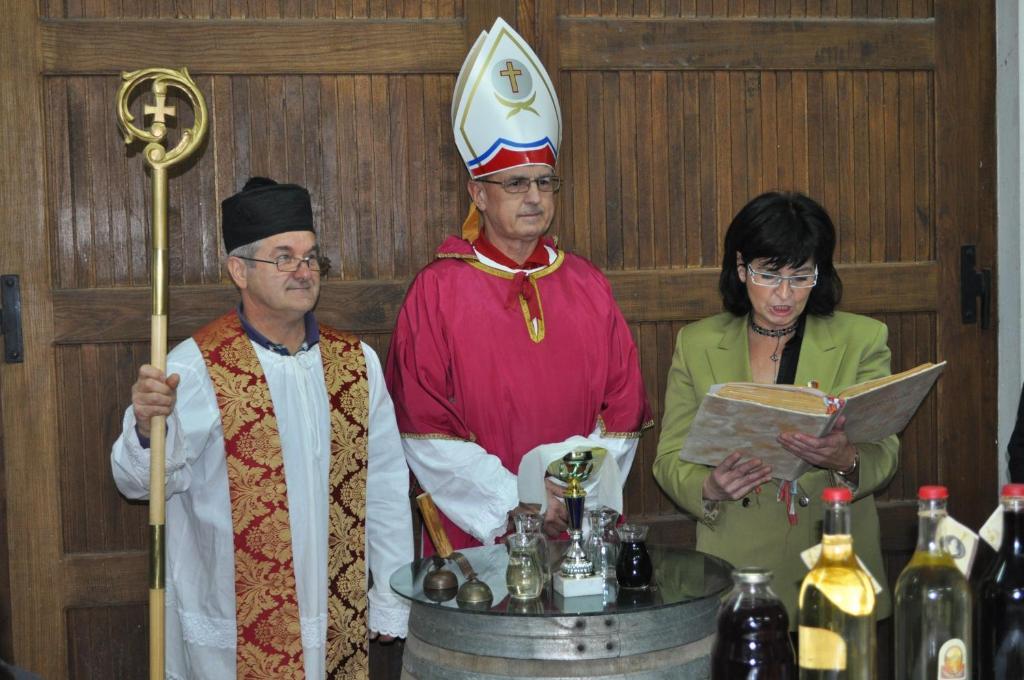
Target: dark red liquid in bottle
753, 644
634, 567
1000, 633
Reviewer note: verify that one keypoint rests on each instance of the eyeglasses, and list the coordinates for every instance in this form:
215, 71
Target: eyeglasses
770, 280
520, 185
290, 263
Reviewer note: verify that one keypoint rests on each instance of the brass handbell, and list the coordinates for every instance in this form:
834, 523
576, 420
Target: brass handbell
440, 584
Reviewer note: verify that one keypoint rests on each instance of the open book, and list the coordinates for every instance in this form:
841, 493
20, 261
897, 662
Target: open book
749, 416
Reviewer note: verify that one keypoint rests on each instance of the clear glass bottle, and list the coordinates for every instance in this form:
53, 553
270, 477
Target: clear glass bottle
532, 524
1000, 649
522, 576
603, 543
932, 602
837, 603
753, 632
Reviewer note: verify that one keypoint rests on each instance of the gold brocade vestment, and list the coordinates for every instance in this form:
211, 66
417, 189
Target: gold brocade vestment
269, 642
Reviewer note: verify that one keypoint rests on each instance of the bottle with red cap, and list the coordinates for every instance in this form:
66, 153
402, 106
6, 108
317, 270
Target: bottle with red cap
837, 603
933, 602
1000, 635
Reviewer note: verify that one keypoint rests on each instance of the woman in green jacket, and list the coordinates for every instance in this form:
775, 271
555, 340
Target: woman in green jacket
780, 290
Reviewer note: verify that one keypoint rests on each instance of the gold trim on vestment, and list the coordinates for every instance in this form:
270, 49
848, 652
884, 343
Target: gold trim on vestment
438, 435
536, 334
646, 425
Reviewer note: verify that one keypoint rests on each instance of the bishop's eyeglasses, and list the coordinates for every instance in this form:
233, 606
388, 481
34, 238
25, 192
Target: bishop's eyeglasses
290, 263
771, 280
520, 185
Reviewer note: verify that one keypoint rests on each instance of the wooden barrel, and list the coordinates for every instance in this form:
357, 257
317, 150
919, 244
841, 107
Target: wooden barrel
669, 642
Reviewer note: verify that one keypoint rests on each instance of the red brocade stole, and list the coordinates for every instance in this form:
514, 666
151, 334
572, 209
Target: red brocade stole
269, 643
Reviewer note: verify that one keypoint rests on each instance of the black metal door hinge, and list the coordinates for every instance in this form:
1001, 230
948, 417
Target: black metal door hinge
10, 318
974, 284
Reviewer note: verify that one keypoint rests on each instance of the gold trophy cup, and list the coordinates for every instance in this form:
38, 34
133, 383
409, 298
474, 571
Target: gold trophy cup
576, 574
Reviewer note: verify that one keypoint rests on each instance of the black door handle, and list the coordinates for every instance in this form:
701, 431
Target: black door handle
974, 283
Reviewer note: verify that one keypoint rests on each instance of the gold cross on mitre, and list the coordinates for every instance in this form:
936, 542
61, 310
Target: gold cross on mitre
160, 110
511, 72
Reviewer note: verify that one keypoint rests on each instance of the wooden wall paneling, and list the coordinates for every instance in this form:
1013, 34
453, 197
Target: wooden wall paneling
94, 517
374, 45
964, 150
786, 165
660, 234
598, 43
30, 441
689, 214
831, 172
707, 141
6, 627
886, 248
576, 125
90, 631
434, 127
631, 153
59, 207
737, 133
608, 172
863, 148
644, 181
398, 224
594, 157
769, 131
327, 210
88, 315
383, 179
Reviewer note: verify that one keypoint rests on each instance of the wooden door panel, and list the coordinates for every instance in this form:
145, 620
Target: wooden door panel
676, 112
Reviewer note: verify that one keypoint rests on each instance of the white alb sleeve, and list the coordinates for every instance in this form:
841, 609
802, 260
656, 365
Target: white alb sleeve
389, 544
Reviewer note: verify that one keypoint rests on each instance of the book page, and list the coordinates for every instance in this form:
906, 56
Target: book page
887, 408
788, 397
722, 426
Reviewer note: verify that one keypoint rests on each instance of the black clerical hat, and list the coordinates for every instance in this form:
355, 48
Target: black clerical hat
264, 208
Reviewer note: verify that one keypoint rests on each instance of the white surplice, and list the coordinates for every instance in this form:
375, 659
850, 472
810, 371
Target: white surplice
200, 567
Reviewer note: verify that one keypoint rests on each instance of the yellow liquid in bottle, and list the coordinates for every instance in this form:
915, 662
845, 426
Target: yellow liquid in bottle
837, 616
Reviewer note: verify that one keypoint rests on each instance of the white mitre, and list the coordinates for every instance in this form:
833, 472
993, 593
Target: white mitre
505, 112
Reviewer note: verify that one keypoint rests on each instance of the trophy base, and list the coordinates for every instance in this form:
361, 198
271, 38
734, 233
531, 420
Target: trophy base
575, 586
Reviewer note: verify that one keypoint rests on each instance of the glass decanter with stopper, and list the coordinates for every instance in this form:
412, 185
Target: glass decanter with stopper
1000, 649
522, 576
532, 524
753, 632
837, 604
932, 602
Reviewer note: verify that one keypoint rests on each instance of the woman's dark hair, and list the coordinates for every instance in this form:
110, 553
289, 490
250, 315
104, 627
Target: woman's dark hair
787, 229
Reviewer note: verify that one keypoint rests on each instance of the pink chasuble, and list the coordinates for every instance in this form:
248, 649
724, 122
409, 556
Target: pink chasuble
468, 363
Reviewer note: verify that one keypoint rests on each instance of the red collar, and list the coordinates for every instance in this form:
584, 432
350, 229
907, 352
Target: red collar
538, 258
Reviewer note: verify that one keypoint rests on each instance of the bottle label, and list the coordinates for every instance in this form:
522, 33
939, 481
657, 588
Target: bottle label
953, 660
958, 542
822, 650
992, 529
811, 555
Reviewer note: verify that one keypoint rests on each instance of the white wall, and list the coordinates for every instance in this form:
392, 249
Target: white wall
1009, 183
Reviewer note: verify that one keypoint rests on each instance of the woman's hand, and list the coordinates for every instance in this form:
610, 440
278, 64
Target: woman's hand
734, 477
833, 451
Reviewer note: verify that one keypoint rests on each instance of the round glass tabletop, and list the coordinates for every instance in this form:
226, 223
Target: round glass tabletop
680, 576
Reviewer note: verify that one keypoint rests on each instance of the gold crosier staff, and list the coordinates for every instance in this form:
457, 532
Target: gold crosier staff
159, 160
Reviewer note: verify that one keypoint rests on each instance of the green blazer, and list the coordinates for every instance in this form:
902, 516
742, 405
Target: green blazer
837, 351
